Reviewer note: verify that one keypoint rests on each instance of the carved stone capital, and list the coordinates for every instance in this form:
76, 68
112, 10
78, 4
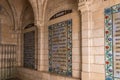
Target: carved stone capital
84, 5
39, 24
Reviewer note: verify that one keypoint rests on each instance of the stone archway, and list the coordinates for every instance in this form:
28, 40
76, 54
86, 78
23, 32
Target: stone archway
52, 8
37, 6
43, 22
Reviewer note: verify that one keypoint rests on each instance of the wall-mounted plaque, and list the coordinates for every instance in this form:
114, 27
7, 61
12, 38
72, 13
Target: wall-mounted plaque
112, 42
60, 48
61, 13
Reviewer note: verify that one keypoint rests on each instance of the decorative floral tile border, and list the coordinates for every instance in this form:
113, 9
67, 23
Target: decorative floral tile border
109, 61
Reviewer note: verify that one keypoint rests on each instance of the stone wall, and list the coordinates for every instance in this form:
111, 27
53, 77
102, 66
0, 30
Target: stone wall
98, 67
6, 24
91, 29
76, 54
93, 58
43, 64
26, 74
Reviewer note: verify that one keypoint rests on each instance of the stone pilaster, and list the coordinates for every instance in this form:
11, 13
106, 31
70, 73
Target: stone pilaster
86, 23
19, 49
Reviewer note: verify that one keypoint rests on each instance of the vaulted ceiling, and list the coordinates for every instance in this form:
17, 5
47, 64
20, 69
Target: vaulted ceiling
17, 12
17, 8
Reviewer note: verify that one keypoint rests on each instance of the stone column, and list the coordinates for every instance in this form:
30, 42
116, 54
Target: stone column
86, 30
40, 45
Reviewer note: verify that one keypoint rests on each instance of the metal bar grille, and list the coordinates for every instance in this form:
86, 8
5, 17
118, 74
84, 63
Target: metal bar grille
7, 61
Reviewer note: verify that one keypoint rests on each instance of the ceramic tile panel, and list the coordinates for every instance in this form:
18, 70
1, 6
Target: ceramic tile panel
60, 48
112, 37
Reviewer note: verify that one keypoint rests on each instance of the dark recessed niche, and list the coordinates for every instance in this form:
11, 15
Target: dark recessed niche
29, 26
